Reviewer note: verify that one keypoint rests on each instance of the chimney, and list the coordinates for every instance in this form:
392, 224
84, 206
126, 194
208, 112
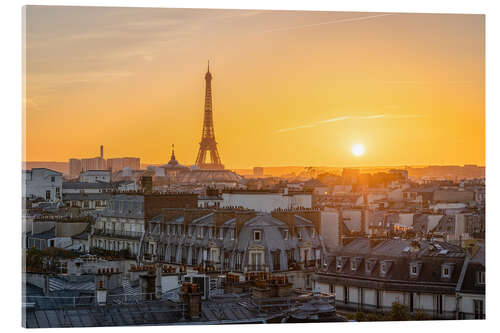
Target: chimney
340, 226
191, 297
101, 288
158, 281
102, 151
147, 284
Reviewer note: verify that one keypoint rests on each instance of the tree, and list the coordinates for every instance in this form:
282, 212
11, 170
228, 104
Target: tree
399, 312
360, 316
421, 315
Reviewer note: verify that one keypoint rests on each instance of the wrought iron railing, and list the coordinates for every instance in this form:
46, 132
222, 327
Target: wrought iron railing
257, 268
118, 233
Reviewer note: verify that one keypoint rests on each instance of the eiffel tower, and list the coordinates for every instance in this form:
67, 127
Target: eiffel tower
208, 145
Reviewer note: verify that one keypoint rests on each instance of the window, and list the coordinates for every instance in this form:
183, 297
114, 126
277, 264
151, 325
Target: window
446, 270
353, 265
238, 261
368, 266
256, 235
339, 263
440, 304
276, 261
299, 235
213, 255
221, 233
414, 269
383, 268
53, 179
47, 195
58, 192
232, 234
480, 277
478, 309
256, 258
285, 235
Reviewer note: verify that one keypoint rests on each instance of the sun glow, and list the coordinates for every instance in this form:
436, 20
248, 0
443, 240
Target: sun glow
358, 149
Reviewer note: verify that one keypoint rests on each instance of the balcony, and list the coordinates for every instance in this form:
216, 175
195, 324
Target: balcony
118, 233
257, 268
311, 263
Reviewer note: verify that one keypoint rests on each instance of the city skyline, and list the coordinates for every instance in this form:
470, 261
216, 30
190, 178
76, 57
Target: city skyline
398, 92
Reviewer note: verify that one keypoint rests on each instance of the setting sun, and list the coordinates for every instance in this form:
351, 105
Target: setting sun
358, 149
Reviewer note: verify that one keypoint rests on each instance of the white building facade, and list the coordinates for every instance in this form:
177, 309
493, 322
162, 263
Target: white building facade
42, 183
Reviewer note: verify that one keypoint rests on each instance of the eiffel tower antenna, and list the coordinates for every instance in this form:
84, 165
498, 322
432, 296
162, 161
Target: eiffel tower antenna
208, 145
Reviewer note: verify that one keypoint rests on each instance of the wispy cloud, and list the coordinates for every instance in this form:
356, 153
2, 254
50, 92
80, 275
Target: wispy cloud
352, 19
342, 118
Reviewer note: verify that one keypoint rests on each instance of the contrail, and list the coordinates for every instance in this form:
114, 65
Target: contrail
330, 22
294, 128
331, 120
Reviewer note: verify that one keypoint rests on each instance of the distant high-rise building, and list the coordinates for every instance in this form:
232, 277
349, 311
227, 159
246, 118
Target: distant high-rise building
99, 163
258, 171
75, 167
96, 163
117, 164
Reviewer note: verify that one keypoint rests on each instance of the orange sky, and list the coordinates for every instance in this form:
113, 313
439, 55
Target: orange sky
289, 88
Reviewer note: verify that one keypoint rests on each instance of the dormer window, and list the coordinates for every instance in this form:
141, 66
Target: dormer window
446, 271
340, 263
481, 276
370, 265
353, 265
285, 234
415, 268
355, 262
257, 235
383, 268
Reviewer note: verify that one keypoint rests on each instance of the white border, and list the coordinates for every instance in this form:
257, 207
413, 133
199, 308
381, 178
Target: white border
11, 143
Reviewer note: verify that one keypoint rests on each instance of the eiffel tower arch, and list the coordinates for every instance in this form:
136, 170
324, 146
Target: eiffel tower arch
208, 156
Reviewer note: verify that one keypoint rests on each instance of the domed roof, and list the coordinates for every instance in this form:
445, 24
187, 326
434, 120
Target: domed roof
173, 164
210, 176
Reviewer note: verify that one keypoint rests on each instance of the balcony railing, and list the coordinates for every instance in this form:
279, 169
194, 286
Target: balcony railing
311, 263
118, 233
257, 268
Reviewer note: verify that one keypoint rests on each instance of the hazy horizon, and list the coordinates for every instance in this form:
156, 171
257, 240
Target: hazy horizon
289, 87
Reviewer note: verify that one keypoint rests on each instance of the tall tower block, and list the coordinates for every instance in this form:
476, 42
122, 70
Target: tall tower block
208, 145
